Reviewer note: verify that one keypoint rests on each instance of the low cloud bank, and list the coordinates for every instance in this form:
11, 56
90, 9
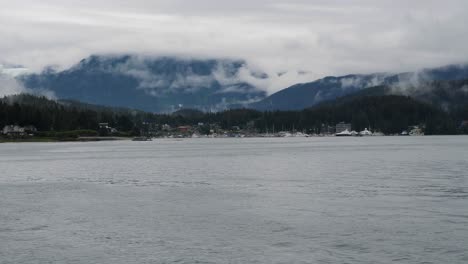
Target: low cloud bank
10, 85
319, 37
162, 75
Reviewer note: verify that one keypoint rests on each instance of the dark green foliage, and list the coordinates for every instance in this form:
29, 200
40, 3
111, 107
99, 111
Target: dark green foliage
389, 114
49, 115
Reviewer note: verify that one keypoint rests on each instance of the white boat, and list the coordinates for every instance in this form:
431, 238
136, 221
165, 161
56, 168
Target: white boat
344, 133
284, 134
300, 134
365, 132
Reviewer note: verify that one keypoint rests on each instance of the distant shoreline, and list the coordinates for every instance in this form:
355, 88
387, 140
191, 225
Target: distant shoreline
46, 140
99, 139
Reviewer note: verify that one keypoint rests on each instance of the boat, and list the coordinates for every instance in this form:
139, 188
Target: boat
344, 133
365, 132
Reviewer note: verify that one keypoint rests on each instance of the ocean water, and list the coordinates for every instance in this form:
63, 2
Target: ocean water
280, 200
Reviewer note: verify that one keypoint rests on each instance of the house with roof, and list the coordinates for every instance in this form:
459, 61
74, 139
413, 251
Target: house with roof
15, 130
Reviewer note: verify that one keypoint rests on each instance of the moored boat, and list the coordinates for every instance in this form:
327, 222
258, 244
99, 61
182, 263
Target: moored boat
344, 133
365, 132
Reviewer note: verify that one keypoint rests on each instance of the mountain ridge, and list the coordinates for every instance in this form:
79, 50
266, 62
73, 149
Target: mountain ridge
304, 95
166, 84
160, 84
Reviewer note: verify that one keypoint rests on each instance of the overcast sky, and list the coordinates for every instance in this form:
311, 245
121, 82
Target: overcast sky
323, 37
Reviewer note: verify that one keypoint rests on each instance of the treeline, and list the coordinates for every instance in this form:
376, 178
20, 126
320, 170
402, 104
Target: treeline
49, 115
388, 114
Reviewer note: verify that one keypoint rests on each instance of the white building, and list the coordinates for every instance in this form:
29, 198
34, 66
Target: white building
18, 130
13, 130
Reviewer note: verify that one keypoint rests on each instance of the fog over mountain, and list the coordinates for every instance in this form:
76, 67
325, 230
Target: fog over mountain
167, 84
155, 84
8, 82
305, 39
414, 84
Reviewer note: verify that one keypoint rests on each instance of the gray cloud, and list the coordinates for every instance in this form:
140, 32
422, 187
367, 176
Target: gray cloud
315, 36
231, 76
9, 85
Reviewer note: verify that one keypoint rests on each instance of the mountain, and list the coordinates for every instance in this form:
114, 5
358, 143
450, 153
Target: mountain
168, 84
305, 95
155, 84
447, 95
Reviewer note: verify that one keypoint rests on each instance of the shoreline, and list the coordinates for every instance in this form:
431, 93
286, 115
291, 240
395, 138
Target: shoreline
99, 139
55, 140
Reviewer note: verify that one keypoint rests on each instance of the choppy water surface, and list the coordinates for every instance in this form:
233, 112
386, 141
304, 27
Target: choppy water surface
297, 200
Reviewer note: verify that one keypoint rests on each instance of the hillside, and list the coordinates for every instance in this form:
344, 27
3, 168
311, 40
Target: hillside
305, 95
389, 114
451, 96
169, 84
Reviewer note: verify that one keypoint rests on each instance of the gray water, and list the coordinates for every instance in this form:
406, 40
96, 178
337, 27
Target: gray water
284, 200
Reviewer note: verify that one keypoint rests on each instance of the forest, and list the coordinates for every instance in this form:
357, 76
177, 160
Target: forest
389, 114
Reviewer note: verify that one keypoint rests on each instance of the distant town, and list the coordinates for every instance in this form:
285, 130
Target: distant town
202, 130
30, 118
